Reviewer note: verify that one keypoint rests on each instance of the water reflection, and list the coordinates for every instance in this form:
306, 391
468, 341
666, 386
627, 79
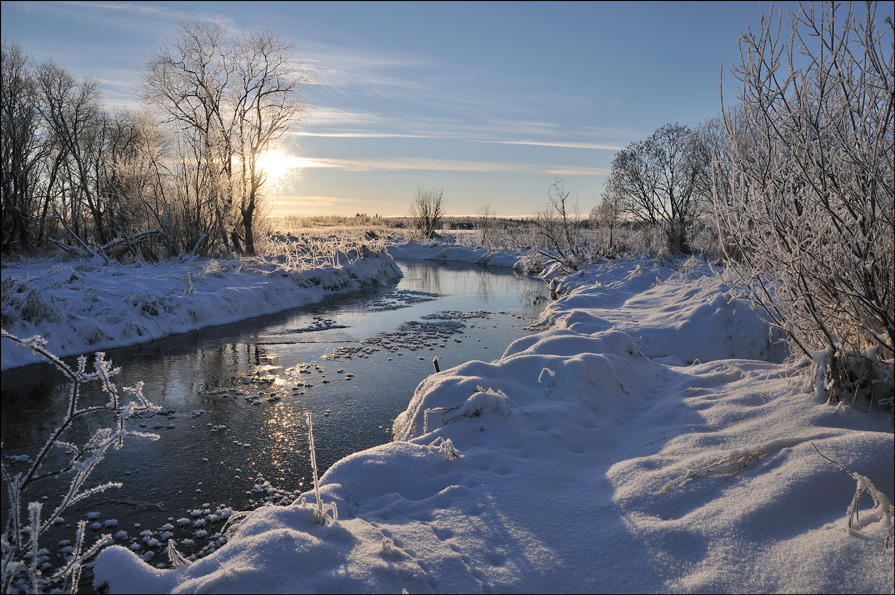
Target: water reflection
423, 277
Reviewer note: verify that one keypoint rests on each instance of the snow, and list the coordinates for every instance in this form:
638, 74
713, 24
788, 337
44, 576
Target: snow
457, 253
652, 437
84, 306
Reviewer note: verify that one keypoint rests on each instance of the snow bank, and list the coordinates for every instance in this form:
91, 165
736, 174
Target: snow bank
81, 306
578, 463
500, 258
684, 312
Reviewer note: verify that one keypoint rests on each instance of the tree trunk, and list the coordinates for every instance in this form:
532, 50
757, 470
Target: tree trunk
248, 214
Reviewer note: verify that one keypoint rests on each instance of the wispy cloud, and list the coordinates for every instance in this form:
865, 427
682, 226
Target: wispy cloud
348, 124
131, 15
417, 164
323, 115
345, 67
566, 145
359, 135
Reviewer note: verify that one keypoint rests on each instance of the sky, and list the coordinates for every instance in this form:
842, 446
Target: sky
490, 102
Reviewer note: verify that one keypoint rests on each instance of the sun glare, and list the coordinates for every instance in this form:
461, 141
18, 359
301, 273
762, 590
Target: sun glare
276, 163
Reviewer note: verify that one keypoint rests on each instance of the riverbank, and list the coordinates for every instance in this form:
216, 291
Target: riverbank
81, 306
84, 306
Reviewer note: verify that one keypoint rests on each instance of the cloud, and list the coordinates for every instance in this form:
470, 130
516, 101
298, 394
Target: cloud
567, 145
332, 122
360, 135
333, 116
341, 67
425, 164
133, 15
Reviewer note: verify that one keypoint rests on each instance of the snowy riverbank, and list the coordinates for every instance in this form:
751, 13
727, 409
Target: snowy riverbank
83, 306
647, 440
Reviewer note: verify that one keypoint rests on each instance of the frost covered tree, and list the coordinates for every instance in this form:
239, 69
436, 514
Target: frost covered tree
807, 210
558, 225
606, 217
486, 221
187, 79
267, 102
227, 97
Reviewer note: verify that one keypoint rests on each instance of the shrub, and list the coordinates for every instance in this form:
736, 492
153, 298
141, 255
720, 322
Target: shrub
427, 211
24, 565
806, 211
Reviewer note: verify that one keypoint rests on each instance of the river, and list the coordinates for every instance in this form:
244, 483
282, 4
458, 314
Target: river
232, 429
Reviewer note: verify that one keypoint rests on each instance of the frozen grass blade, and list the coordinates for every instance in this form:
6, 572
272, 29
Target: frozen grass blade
328, 514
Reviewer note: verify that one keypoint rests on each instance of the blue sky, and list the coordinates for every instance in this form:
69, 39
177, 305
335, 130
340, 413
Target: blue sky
488, 101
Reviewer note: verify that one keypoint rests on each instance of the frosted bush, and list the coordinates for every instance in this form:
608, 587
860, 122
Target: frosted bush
804, 199
307, 252
648, 240
23, 567
212, 268
532, 263
20, 302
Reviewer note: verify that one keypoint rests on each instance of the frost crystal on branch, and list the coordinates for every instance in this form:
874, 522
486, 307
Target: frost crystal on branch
21, 562
805, 196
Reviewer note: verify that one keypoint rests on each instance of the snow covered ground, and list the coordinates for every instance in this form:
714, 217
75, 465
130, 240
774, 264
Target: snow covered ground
84, 306
650, 438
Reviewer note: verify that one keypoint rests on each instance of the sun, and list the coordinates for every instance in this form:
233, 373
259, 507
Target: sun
275, 164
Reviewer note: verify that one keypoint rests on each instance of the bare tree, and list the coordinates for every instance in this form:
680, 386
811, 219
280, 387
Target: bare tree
809, 205
75, 119
22, 149
427, 210
558, 223
187, 79
605, 218
267, 102
228, 97
710, 148
135, 183
659, 180
486, 220
55, 136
